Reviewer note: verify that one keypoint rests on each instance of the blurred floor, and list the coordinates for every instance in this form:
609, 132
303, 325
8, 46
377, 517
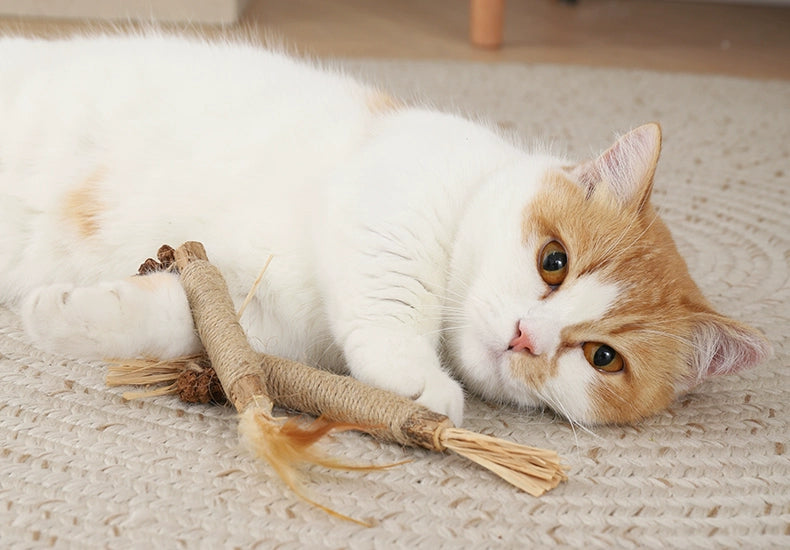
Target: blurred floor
744, 40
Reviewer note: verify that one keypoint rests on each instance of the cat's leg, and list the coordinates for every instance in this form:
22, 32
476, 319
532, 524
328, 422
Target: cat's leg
399, 359
388, 325
142, 316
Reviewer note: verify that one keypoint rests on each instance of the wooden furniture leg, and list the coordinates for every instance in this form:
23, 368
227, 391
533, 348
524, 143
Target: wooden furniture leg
486, 22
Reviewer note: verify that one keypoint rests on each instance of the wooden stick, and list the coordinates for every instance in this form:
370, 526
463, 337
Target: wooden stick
257, 381
283, 444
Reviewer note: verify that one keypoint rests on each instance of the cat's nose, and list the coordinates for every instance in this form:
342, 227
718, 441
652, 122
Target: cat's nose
523, 341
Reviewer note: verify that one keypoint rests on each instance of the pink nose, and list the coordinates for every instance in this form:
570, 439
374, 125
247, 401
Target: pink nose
523, 340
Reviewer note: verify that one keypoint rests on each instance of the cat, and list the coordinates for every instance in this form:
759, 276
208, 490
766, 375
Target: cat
412, 248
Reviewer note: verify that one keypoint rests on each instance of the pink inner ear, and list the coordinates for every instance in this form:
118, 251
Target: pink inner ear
627, 167
725, 347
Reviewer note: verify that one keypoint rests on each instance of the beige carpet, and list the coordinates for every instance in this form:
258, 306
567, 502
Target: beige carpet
80, 467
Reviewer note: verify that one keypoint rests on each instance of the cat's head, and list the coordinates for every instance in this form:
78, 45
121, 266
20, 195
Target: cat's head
570, 292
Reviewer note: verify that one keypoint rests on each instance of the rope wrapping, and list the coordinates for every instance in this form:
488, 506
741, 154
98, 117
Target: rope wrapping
255, 382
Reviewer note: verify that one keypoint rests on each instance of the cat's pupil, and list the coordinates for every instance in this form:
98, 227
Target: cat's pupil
555, 261
603, 356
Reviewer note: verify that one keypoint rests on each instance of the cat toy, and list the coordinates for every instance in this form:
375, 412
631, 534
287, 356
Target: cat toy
254, 383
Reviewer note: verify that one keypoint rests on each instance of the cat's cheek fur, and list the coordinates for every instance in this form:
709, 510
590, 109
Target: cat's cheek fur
569, 391
623, 397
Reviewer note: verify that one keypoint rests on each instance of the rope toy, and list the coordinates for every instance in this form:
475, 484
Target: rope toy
254, 382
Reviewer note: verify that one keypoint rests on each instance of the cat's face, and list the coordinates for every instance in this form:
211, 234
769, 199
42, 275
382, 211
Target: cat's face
572, 293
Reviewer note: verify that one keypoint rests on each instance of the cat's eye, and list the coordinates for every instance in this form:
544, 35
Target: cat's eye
553, 263
603, 357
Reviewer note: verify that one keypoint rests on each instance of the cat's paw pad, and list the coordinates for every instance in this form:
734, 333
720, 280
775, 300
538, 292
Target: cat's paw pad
444, 395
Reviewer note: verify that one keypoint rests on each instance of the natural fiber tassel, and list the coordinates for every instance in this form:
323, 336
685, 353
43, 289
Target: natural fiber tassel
253, 382
531, 469
401, 420
191, 378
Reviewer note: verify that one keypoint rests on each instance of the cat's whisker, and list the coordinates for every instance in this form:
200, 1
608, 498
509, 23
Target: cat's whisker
442, 309
614, 245
451, 323
329, 346
445, 330
571, 420
558, 407
639, 237
619, 398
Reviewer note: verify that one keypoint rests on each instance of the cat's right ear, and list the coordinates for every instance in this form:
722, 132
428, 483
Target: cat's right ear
720, 346
626, 168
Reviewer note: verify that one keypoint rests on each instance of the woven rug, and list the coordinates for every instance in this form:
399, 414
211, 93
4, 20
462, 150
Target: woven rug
81, 467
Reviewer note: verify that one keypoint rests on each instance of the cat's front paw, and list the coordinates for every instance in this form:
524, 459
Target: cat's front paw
431, 388
410, 368
139, 316
45, 315
444, 395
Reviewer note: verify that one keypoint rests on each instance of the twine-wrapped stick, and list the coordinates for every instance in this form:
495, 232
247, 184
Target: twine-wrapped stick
254, 382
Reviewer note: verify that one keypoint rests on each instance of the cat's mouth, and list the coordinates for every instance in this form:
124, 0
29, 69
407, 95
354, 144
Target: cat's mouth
516, 389
512, 386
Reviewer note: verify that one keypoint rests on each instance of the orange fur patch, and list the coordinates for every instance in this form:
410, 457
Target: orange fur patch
380, 103
82, 205
650, 325
535, 370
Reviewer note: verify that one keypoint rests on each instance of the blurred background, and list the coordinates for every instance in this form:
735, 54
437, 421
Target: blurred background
743, 38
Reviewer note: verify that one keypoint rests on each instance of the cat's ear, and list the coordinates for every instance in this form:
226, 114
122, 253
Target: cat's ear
626, 168
724, 346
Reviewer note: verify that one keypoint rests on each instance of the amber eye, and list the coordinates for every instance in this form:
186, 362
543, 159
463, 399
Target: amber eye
602, 357
553, 263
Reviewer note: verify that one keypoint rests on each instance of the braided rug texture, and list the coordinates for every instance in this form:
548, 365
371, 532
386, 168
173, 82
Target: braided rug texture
81, 467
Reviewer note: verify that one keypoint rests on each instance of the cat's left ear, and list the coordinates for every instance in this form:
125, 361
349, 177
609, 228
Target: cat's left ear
723, 346
626, 168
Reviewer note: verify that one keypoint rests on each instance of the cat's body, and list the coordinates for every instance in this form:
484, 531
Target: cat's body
400, 235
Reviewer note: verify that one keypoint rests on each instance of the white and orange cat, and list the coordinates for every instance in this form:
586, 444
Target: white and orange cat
412, 248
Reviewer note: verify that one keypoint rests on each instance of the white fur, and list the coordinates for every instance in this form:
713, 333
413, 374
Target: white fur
387, 228
494, 284
585, 300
